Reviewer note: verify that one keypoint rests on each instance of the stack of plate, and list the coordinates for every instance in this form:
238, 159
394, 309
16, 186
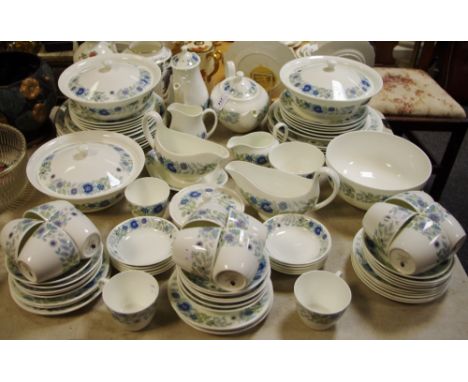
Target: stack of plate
296, 243
302, 128
142, 243
63, 294
386, 281
207, 308
68, 120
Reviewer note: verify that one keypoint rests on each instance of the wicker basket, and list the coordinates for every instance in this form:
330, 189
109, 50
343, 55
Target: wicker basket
13, 162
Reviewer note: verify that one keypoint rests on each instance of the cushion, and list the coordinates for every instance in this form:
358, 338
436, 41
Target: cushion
413, 92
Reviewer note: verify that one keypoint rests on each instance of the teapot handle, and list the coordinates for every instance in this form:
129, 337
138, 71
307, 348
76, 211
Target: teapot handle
229, 69
277, 127
335, 179
215, 121
217, 57
151, 114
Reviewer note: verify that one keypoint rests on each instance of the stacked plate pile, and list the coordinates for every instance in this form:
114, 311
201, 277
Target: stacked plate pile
142, 243
296, 243
207, 308
109, 92
303, 128
380, 276
63, 294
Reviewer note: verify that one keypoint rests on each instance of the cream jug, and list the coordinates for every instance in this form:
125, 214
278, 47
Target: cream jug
188, 84
190, 119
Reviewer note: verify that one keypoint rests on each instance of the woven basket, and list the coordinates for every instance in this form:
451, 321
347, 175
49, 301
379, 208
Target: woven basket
13, 162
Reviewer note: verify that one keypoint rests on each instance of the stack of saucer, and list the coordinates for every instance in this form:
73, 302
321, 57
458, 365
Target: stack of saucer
204, 306
380, 277
296, 243
68, 120
63, 294
142, 243
301, 127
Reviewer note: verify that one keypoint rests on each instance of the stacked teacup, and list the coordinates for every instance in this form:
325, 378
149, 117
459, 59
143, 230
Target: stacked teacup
406, 248
54, 259
222, 280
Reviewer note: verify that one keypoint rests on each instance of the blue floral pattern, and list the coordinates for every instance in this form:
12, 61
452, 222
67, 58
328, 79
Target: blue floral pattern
12, 243
186, 168
154, 210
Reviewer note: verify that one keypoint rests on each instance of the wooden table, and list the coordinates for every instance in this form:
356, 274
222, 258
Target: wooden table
370, 316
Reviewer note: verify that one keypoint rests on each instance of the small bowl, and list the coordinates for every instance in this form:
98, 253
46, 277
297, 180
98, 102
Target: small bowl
374, 166
147, 196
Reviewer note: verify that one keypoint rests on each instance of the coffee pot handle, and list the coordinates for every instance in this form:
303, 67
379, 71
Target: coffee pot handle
335, 180
229, 69
216, 56
146, 130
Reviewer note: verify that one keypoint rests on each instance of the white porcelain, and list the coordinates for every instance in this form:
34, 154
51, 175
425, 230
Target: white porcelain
237, 260
209, 213
373, 166
272, 192
241, 103
141, 241
416, 201
382, 222
89, 169
93, 48
48, 253
254, 147
110, 83
190, 119
297, 158
296, 241
131, 298
187, 81
241, 220
45, 211
189, 199
322, 298
147, 196
195, 250
419, 246
14, 235
210, 57
449, 224
330, 88
185, 155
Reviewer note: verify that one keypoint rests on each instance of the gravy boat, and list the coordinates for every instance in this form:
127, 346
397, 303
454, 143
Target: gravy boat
273, 192
254, 147
184, 155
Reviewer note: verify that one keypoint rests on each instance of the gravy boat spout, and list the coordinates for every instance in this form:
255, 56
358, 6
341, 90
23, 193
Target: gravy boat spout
273, 192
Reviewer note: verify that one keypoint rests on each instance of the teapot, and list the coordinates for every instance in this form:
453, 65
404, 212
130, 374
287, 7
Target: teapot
190, 119
187, 81
241, 103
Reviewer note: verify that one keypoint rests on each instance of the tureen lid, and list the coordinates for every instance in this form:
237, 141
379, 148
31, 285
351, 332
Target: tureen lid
185, 59
240, 87
330, 78
200, 46
109, 79
85, 165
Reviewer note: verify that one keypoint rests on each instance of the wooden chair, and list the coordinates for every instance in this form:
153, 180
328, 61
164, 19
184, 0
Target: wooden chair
412, 101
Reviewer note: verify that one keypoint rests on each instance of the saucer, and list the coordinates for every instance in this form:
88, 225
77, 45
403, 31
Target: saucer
218, 177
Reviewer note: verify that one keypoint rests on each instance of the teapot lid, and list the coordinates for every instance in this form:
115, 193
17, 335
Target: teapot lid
185, 59
240, 87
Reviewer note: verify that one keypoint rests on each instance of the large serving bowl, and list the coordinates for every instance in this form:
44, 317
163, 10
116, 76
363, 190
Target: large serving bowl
111, 86
373, 166
90, 169
326, 88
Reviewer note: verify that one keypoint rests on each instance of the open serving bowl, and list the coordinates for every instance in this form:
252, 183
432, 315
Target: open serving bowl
90, 169
373, 166
110, 86
326, 88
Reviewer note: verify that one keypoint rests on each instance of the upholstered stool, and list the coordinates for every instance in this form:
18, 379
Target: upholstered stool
411, 101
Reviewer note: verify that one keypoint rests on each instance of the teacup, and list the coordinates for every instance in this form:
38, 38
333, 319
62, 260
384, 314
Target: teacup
241, 220
322, 298
419, 246
450, 225
414, 200
194, 250
48, 253
383, 221
15, 234
147, 196
210, 213
298, 158
131, 298
46, 210
237, 261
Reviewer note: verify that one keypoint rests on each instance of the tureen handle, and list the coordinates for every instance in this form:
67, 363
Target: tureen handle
335, 180
277, 128
159, 122
229, 69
